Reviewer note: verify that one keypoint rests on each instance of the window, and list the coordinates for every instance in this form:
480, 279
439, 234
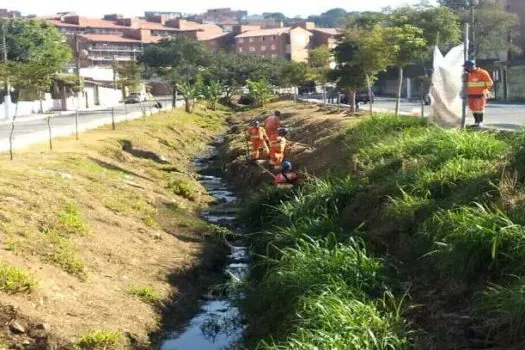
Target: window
252, 48
263, 47
274, 47
251, 40
241, 40
263, 38
274, 37
240, 49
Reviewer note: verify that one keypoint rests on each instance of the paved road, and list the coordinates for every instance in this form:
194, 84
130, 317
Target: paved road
31, 130
498, 116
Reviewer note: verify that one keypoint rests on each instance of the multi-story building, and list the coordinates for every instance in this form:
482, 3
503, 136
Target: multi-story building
167, 14
115, 38
5, 13
293, 43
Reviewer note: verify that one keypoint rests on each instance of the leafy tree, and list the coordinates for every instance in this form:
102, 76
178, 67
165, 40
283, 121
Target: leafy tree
260, 91
440, 25
364, 20
494, 27
407, 44
319, 63
330, 19
179, 62
293, 74
39, 48
191, 92
213, 92
129, 76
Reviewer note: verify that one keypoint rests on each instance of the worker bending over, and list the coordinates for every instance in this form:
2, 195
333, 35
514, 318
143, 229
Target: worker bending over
272, 125
286, 178
277, 147
479, 83
257, 138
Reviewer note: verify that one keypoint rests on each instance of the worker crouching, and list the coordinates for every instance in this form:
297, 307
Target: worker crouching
277, 148
286, 178
257, 138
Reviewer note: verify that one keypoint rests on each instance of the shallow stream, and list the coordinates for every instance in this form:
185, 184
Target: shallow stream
218, 325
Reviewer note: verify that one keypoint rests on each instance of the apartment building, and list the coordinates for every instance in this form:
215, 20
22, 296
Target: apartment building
115, 38
6, 14
293, 43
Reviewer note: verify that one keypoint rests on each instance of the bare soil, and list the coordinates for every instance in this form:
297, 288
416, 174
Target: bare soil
131, 228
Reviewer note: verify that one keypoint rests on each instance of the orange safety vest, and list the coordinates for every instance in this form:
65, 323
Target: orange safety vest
277, 145
272, 124
255, 133
286, 179
479, 83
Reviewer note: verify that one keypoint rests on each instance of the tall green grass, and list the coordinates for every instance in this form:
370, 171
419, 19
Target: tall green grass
421, 186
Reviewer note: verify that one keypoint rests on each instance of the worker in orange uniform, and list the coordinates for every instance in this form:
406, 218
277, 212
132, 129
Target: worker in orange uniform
277, 147
479, 83
257, 137
272, 125
286, 178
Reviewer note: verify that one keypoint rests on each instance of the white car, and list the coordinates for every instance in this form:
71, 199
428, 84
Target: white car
135, 98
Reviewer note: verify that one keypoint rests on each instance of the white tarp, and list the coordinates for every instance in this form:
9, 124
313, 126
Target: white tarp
447, 83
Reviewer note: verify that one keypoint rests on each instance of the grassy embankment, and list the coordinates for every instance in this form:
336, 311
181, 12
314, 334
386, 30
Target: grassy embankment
96, 243
412, 236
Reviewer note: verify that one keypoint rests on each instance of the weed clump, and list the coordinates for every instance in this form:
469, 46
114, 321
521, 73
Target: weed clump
181, 188
99, 340
145, 293
14, 280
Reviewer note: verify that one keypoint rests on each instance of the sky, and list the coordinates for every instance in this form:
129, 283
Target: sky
97, 8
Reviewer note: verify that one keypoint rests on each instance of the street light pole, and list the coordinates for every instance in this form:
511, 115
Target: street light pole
472, 20
7, 96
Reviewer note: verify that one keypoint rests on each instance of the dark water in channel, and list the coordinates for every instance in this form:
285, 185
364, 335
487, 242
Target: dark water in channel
218, 324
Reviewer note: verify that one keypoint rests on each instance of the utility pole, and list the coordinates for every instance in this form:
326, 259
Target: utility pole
465, 77
7, 96
472, 21
77, 52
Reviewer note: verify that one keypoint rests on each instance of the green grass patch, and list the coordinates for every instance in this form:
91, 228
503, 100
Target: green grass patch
100, 340
14, 280
71, 220
182, 188
64, 254
145, 293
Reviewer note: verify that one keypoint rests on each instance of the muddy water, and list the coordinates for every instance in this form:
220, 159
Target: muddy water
218, 325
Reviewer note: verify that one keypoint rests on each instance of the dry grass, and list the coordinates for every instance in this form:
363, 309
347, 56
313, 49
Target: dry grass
88, 219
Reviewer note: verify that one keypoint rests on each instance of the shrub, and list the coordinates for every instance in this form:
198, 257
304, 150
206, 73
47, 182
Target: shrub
71, 221
181, 188
14, 280
99, 340
146, 294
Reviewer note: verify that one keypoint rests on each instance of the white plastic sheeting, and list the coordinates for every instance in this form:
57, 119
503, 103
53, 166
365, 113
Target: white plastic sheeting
447, 83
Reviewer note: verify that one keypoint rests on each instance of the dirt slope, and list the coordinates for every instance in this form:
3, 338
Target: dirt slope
106, 237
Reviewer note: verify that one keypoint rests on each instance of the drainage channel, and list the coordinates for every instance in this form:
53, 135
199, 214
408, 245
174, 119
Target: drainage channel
218, 325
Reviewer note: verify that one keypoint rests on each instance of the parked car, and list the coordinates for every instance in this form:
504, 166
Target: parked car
135, 98
362, 96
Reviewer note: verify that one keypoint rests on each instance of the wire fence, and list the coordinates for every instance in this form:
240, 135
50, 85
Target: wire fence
25, 131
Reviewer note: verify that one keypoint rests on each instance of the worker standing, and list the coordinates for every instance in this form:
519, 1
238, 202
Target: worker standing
479, 83
277, 147
258, 138
272, 125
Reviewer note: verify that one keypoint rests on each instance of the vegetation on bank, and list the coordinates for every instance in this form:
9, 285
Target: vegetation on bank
424, 221
93, 226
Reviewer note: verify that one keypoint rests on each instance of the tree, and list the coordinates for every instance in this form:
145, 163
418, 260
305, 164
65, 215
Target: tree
319, 63
213, 92
129, 76
293, 74
494, 28
179, 62
40, 48
191, 91
407, 44
373, 52
260, 91
330, 19
440, 25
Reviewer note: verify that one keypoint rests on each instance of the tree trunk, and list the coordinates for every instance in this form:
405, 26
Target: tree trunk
174, 99
399, 90
351, 100
370, 95
187, 103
